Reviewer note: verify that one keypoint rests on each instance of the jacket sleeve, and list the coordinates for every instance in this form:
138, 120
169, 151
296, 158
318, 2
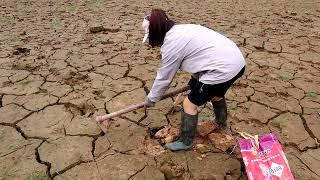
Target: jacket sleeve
165, 74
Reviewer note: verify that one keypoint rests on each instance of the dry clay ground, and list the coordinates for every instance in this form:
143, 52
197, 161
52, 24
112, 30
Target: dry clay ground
56, 76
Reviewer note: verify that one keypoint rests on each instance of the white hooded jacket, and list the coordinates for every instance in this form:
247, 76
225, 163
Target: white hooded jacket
209, 56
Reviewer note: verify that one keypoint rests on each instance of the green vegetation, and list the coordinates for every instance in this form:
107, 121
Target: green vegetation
1, 133
71, 8
284, 78
25, 81
281, 123
94, 4
6, 174
311, 94
205, 114
38, 175
56, 24
233, 106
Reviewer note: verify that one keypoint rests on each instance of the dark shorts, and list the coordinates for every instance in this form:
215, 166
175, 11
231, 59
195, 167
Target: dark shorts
202, 93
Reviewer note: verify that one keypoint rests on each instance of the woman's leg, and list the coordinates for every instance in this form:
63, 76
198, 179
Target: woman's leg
189, 121
219, 101
189, 117
189, 107
220, 111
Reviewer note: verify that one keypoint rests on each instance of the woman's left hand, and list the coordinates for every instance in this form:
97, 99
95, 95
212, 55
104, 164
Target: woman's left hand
148, 102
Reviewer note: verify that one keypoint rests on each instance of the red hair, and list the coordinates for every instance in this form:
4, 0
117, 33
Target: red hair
160, 24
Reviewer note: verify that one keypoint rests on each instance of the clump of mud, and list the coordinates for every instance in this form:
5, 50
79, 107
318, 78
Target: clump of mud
151, 147
222, 141
208, 134
167, 134
206, 127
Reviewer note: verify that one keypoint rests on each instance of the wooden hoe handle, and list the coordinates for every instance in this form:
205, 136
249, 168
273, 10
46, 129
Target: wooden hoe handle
138, 106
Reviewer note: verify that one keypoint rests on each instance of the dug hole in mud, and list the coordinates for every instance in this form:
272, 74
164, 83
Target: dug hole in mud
209, 139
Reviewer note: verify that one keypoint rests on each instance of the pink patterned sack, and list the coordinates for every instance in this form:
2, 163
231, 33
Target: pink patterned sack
264, 158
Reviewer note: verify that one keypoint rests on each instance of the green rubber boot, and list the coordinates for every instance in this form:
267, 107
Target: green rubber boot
188, 131
221, 112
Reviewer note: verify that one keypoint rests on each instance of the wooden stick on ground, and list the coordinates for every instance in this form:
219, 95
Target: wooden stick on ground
138, 106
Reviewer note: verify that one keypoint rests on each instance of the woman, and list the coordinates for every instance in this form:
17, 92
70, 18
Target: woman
214, 61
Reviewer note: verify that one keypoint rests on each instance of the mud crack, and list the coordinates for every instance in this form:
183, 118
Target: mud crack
306, 127
47, 164
1, 97
140, 170
306, 165
69, 167
93, 155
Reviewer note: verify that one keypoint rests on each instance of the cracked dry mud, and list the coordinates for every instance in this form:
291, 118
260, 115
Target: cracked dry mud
64, 62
